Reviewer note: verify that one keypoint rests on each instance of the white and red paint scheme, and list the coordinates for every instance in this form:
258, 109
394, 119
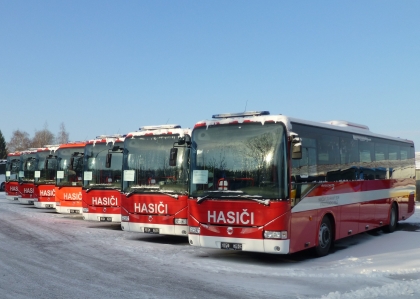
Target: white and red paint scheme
154, 198
101, 192
249, 192
45, 177
12, 176
69, 178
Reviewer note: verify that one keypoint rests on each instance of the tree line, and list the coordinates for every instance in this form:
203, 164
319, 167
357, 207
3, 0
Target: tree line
21, 140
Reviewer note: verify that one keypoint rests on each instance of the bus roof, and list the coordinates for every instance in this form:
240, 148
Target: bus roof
160, 130
344, 126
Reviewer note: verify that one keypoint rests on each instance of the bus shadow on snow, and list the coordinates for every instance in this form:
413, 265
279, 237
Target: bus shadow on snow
108, 226
160, 239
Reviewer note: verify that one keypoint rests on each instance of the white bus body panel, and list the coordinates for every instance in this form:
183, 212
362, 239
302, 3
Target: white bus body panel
262, 245
44, 205
68, 210
27, 201
177, 230
96, 217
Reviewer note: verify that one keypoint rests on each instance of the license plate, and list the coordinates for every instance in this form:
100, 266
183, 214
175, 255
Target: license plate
16, 198
151, 230
231, 246
105, 219
74, 211
48, 206
31, 202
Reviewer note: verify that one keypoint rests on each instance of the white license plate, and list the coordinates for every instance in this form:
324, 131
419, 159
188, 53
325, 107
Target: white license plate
31, 202
105, 219
48, 206
231, 246
74, 211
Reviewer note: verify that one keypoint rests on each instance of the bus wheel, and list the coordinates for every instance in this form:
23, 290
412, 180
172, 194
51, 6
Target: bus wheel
324, 238
393, 220
2, 187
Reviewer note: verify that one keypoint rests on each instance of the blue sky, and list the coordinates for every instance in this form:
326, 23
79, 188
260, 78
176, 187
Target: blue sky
105, 67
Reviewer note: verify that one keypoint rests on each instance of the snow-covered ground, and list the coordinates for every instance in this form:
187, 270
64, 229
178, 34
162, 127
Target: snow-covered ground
48, 255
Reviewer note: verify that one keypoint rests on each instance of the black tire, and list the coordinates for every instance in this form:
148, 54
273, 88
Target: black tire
325, 238
393, 220
2, 187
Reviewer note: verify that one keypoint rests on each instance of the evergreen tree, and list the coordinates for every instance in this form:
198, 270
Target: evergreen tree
3, 149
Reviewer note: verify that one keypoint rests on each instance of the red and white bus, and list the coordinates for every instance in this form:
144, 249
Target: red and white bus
45, 177
69, 178
101, 192
275, 184
154, 198
26, 177
12, 176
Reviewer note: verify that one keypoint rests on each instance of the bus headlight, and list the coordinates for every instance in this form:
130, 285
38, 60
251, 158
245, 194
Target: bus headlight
85, 210
195, 230
125, 218
181, 221
268, 234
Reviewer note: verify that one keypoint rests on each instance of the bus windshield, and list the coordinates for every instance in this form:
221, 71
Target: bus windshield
69, 166
146, 166
46, 169
96, 174
29, 166
12, 169
244, 161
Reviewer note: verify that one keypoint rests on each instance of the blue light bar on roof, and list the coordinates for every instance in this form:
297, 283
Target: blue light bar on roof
241, 114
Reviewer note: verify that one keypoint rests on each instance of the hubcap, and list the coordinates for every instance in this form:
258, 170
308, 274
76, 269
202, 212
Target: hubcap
324, 235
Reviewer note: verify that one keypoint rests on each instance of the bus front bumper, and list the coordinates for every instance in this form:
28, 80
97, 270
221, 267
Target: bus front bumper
254, 245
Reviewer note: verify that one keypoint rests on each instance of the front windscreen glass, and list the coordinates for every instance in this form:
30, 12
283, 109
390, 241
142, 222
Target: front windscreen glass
146, 166
96, 173
239, 161
12, 169
46, 169
69, 166
29, 166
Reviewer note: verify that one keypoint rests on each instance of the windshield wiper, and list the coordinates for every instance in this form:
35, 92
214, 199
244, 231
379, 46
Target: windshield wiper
200, 199
151, 189
102, 187
265, 202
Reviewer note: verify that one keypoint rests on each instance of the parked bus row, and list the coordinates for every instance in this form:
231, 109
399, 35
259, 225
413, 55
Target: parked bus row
247, 181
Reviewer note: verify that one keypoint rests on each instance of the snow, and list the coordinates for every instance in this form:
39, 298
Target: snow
48, 255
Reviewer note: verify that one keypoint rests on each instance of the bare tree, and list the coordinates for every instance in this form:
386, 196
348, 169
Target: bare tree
257, 148
62, 136
42, 137
20, 141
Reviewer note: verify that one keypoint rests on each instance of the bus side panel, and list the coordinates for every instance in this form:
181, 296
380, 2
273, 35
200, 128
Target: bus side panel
382, 211
349, 220
367, 216
303, 230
